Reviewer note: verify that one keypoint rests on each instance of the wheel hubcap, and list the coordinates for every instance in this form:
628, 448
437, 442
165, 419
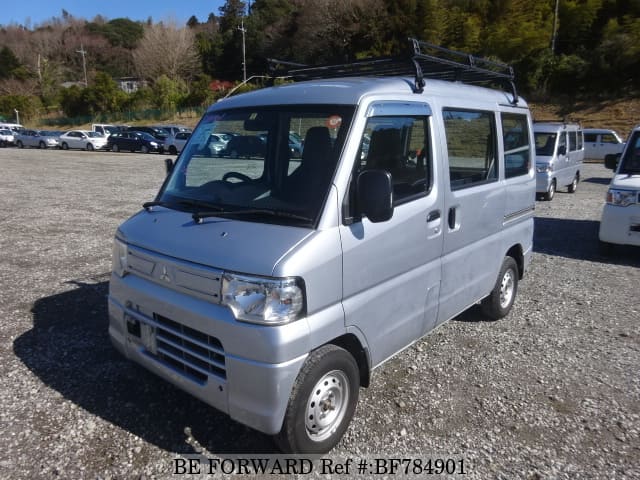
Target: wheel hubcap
506, 289
327, 405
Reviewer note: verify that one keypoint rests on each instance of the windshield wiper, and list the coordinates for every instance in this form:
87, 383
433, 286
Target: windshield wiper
198, 216
147, 205
184, 203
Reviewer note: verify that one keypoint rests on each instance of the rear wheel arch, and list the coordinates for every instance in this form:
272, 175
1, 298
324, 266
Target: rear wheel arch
517, 254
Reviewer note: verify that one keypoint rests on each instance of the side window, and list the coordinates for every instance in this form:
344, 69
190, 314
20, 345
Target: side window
580, 140
609, 138
399, 145
573, 141
517, 150
562, 141
590, 137
471, 144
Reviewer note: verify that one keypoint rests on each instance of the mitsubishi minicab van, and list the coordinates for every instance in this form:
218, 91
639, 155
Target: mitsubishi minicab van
620, 222
271, 285
559, 156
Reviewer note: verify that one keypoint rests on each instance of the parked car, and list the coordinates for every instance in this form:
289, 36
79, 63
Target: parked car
134, 142
600, 142
272, 289
7, 137
155, 132
82, 139
172, 129
37, 138
620, 221
559, 156
245, 146
175, 143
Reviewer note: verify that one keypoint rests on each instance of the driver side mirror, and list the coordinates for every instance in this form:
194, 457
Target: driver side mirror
611, 160
375, 195
168, 165
562, 150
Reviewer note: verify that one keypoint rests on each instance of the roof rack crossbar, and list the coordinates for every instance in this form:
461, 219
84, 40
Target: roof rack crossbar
424, 61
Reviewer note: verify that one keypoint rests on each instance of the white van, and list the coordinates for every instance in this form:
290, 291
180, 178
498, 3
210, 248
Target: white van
14, 127
559, 156
620, 222
600, 142
271, 286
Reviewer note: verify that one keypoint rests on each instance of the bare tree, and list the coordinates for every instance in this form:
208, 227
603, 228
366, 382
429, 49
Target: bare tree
167, 49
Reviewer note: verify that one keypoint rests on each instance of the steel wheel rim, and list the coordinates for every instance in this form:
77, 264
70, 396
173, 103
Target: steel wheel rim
507, 287
327, 405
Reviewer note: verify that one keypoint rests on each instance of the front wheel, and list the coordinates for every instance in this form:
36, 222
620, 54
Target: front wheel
573, 186
42, 145
499, 302
115, 148
89, 147
144, 149
322, 402
20, 144
548, 196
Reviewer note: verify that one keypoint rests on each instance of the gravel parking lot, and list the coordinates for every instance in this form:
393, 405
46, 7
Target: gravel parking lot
552, 391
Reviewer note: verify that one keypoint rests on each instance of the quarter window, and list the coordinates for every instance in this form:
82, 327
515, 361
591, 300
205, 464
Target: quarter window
471, 145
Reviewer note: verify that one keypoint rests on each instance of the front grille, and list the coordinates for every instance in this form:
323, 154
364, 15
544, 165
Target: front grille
190, 351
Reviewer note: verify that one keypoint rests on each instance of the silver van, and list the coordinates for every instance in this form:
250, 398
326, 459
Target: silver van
559, 156
271, 286
600, 142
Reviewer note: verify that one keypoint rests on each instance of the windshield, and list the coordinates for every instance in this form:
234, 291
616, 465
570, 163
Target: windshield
630, 163
254, 173
545, 143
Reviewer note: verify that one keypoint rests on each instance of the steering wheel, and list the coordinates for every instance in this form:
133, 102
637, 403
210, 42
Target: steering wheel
240, 176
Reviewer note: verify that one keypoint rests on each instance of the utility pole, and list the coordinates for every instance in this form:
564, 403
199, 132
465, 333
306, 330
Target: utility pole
555, 29
17, 115
244, 59
84, 64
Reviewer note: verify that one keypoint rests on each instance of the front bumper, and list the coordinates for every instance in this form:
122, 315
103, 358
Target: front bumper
620, 225
543, 181
199, 347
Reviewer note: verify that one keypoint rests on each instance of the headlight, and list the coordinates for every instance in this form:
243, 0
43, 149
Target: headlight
153, 144
119, 260
621, 198
544, 167
267, 301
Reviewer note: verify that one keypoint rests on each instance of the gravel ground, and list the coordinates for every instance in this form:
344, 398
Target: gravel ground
551, 391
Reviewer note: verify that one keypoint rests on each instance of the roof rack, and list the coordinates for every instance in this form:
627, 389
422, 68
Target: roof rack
423, 60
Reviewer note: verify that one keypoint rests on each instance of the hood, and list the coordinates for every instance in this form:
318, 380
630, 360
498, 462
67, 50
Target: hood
624, 180
223, 243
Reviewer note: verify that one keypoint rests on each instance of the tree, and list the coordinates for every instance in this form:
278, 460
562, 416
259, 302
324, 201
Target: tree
167, 49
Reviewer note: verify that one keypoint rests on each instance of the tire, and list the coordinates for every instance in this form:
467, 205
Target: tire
65, 146
144, 149
20, 144
322, 402
548, 196
499, 302
173, 150
115, 148
42, 145
89, 147
573, 186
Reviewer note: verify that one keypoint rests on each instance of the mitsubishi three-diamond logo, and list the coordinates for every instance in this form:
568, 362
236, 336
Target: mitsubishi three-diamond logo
165, 275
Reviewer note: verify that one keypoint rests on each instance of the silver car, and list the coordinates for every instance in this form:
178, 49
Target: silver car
37, 138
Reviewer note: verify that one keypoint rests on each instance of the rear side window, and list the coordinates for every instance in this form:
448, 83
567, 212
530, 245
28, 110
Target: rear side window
590, 137
573, 141
471, 144
517, 150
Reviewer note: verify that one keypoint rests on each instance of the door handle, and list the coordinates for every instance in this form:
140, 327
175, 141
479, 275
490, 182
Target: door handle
452, 218
434, 215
